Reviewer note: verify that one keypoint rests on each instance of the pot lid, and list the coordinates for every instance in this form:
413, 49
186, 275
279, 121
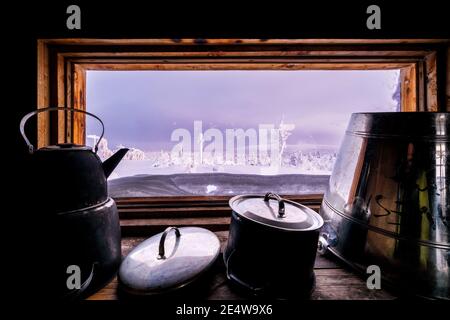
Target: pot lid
169, 260
274, 211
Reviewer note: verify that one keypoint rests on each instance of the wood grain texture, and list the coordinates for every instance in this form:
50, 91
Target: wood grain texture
431, 83
263, 42
261, 65
408, 88
447, 87
184, 201
43, 95
141, 216
79, 103
267, 53
332, 281
149, 226
61, 98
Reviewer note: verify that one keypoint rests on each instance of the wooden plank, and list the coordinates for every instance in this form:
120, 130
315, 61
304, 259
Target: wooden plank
345, 287
68, 93
262, 42
447, 87
193, 212
180, 212
148, 207
431, 83
332, 281
143, 215
421, 89
135, 227
202, 203
203, 200
336, 285
247, 66
287, 52
340, 284
165, 222
43, 95
61, 98
126, 211
408, 88
210, 62
109, 292
79, 103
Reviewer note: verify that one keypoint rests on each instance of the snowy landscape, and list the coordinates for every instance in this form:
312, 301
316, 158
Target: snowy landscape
225, 132
160, 174
215, 184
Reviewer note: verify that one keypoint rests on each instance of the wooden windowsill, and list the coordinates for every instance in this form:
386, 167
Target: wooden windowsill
144, 216
333, 281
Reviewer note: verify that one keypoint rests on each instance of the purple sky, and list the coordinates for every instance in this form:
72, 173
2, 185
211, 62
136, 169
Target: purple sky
142, 108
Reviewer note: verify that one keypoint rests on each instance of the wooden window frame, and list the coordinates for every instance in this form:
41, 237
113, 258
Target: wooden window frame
62, 66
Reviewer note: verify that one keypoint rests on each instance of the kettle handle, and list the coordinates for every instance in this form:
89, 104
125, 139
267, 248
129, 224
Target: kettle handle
29, 115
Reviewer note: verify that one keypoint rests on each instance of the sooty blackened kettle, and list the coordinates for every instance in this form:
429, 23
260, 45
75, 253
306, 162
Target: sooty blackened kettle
78, 222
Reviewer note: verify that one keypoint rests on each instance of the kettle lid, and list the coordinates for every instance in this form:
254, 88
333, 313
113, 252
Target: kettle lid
66, 147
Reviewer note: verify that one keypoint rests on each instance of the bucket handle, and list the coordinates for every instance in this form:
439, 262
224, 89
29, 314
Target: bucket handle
274, 196
31, 148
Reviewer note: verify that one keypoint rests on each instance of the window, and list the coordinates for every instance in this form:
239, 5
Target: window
226, 132
66, 67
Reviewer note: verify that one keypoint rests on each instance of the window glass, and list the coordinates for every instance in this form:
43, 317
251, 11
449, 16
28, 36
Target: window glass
229, 132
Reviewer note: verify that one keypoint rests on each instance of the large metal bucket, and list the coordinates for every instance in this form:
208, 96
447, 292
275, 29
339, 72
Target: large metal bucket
388, 200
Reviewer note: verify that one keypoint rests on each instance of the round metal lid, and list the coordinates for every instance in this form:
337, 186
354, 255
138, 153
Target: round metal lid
169, 260
66, 147
274, 211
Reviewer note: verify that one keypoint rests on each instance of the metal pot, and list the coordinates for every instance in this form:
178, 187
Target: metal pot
272, 245
388, 200
77, 220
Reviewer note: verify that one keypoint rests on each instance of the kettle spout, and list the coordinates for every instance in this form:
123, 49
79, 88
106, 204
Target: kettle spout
111, 163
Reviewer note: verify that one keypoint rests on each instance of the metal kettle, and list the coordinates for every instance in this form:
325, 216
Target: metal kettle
69, 193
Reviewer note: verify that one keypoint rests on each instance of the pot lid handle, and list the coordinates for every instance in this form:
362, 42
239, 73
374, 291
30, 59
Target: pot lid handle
161, 254
29, 115
274, 196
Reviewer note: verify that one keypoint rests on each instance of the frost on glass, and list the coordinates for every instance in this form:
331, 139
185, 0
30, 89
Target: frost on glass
229, 132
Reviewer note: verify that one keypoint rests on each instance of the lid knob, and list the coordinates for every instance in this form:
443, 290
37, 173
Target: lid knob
274, 196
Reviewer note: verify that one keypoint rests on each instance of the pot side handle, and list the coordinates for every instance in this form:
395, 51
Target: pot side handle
230, 276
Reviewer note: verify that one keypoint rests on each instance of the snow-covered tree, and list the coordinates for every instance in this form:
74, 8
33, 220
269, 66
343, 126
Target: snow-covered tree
285, 130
